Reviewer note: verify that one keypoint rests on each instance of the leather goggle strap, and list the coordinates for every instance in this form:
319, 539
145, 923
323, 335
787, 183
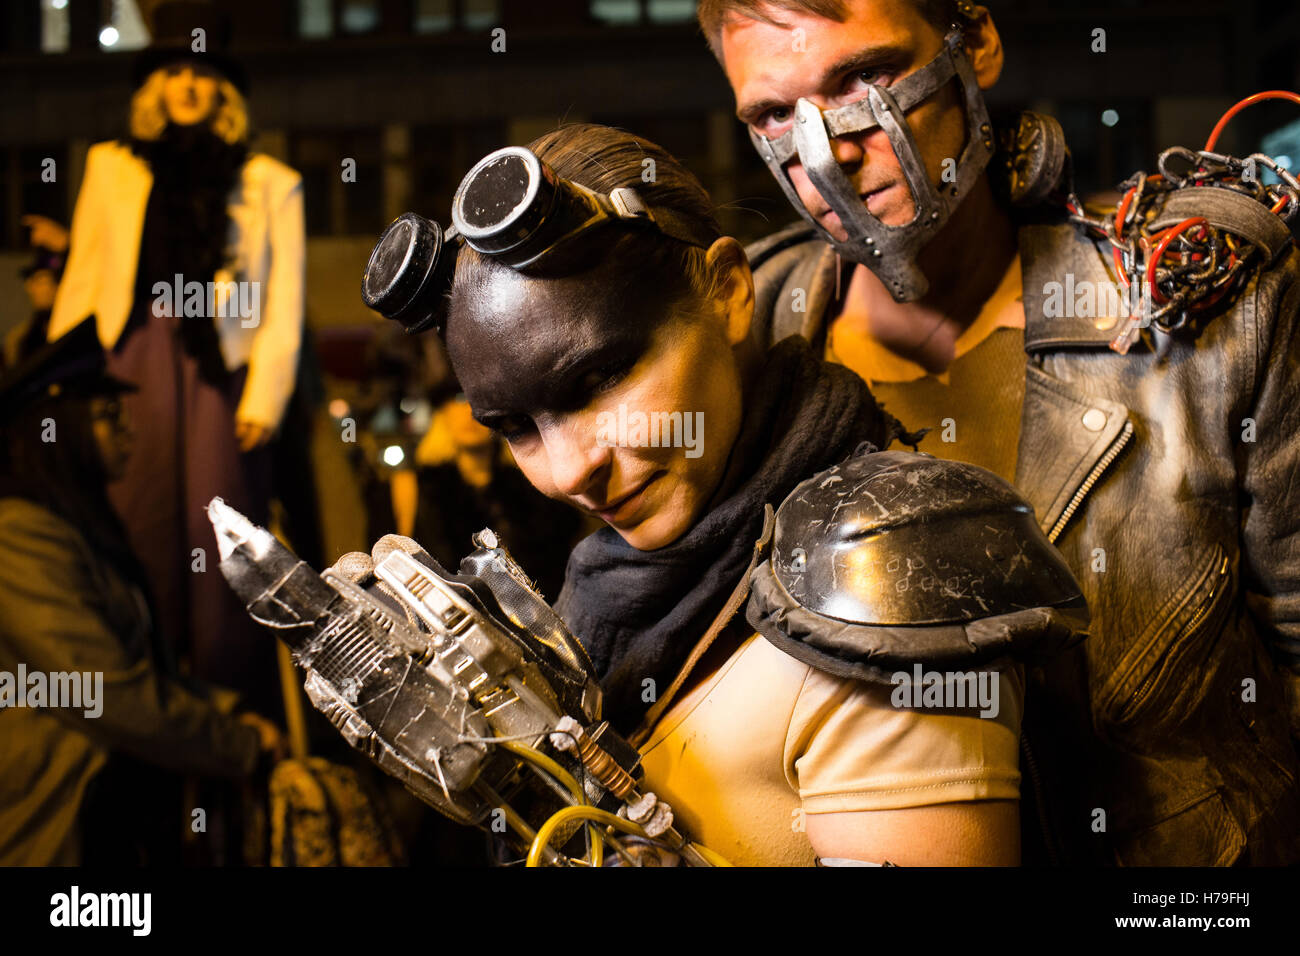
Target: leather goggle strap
858, 117
628, 206
624, 204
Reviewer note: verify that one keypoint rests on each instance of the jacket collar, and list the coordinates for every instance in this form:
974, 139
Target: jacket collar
1070, 295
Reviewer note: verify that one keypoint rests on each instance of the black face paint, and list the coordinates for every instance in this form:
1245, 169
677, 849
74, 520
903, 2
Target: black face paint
524, 346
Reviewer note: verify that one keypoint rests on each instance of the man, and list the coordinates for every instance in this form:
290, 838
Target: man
1166, 474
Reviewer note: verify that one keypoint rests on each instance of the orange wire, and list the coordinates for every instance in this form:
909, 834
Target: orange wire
1248, 101
1169, 236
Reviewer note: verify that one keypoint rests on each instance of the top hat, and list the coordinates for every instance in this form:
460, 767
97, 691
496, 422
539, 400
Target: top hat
72, 365
172, 29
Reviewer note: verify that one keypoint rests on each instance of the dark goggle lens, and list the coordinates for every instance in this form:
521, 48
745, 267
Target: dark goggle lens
408, 272
491, 198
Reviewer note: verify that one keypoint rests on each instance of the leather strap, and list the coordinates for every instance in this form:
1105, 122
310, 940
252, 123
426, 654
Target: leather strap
1225, 209
737, 598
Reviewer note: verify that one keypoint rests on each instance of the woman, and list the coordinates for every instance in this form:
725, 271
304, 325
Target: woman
181, 205
473, 485
74, 600
765, 758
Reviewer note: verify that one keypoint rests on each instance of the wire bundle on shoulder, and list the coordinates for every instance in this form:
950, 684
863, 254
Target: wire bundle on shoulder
1178, 273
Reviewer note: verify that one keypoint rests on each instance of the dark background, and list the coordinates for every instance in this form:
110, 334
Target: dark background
411, 90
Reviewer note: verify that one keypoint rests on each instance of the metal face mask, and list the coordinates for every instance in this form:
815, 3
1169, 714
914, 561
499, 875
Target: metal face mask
888, 251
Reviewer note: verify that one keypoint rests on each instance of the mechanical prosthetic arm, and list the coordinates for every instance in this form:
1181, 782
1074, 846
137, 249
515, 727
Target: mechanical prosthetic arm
466, 687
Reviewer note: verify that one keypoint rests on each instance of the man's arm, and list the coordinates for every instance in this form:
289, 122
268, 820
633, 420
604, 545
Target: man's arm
1270, 481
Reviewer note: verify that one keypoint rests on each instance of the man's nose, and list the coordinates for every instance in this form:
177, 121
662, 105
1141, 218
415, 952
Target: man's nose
848, 151
578, 461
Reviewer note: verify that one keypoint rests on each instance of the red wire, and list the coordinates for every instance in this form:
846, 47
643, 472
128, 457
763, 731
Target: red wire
1169, 236
1248, 101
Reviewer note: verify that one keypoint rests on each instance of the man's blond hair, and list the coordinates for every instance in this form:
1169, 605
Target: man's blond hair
712, 14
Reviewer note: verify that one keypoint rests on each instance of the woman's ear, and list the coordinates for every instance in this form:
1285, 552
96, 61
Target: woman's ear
733, 287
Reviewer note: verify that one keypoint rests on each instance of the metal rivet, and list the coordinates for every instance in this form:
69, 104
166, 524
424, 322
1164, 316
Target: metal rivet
876, 253
870, 241
1094, 419
934, 215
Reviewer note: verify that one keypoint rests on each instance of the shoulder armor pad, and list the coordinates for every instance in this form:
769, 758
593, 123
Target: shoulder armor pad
892, 558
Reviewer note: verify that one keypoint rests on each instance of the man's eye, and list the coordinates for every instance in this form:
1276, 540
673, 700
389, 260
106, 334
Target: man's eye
859, 80
773, 119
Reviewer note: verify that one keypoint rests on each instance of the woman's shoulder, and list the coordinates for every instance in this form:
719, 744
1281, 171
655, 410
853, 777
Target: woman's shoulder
893, 558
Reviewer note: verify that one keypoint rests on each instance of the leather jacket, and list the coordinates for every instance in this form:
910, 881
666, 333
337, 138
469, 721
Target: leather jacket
1163, 739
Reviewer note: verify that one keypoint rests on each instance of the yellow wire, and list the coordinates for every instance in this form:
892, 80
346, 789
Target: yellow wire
547, 831
539, 759
717, 859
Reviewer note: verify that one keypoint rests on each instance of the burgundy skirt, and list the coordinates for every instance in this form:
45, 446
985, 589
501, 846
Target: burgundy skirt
185, 453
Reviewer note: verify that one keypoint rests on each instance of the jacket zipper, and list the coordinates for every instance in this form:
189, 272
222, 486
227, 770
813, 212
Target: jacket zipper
1189, 628
1111, 454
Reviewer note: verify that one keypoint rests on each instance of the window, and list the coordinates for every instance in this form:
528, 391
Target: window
481, 13
359, 16
617, 12
434, 16
315, 18
54, 26
671, 11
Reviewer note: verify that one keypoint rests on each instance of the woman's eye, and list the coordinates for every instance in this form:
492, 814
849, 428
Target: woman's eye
514, 428
604, 379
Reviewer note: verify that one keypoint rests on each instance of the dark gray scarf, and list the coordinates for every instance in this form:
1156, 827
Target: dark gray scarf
639, 613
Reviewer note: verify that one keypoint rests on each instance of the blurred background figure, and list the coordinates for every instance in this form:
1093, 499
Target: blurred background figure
428, 470
49, 242
467, 481
182, 200
95, 783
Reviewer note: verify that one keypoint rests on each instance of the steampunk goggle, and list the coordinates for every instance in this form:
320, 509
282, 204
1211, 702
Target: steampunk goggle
513, 207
